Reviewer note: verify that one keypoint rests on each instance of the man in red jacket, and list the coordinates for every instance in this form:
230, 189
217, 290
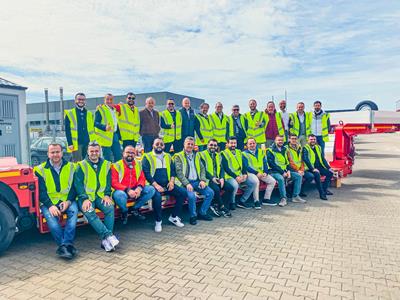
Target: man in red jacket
128, 181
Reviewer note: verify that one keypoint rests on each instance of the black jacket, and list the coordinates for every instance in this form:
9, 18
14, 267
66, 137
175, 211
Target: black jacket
187, 122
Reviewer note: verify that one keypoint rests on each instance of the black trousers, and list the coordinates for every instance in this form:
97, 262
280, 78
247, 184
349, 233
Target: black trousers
322, 187
179, 194
148, 142
128, 143
177, 146
227, 196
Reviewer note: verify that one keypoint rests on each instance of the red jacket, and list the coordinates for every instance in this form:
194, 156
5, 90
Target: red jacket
129, 180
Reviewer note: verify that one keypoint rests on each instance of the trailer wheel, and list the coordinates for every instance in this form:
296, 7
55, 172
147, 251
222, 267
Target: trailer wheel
7, 226
367, 105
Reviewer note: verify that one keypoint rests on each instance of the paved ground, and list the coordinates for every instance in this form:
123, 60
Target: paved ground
347, 248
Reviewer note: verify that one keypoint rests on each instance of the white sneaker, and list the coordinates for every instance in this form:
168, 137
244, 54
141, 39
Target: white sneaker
176, 221
112, 239
158, 227
106, 245
298, 199
283, 202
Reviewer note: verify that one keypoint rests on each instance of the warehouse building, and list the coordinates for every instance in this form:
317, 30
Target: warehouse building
36, 112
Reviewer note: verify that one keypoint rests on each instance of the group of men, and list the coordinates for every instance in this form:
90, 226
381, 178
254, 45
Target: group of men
215, 172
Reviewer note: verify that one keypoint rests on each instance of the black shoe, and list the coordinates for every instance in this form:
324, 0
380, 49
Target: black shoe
232, 206
323, 197
71, 249
124, 218
302, 194
193, 220
257, 205
205, 217
226, 213
243, 205
328, 192
269, 202
63, 252
215, 211
138, 215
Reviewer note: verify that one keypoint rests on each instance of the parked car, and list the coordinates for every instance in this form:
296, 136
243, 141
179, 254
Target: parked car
39, 149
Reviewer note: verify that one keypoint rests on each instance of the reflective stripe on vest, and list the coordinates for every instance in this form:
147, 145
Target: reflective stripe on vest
295, 154
129, 123
255, 162
172, 134
152, 159
281, 160
325, 129
210, 163
219, 127
105, 138
66, 177
119, 167
311, 155
278, 120
206, 129
254, 131
197, 164
232, 128
90, 180
235, 162
73, 121
295, 128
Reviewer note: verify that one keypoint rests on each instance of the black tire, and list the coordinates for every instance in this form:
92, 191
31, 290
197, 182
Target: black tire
7, 226
35, 161
367, 104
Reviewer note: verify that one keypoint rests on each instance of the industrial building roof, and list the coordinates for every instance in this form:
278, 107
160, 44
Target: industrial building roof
10, 85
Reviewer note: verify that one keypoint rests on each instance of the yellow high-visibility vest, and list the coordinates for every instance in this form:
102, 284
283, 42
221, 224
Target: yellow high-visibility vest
235, 162
256, 132
90, 180
129, 123
73, 121
219, 127
278, 119
206, 129
172, 134
295, 129
105, 138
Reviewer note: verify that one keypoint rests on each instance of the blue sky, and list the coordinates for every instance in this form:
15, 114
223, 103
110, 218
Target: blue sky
339, 52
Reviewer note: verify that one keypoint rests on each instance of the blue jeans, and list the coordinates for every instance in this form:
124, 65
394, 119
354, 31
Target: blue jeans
321, 142
207, 192
103, 229
121, 198
295, 177
251, 183
62, 236
114, 150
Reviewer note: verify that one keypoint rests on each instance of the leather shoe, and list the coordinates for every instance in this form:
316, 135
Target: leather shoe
329, 193
63, 252
72, 250
323, 197
205, 217
193, 221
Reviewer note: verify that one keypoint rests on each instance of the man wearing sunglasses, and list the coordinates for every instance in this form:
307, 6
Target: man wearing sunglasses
171, 124
129, 121
238, 126
159, 171
215, 175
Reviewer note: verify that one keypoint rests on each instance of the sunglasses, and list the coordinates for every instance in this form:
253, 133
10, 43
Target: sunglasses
235, 109
131, 98
170, 103
213, 145
159, 144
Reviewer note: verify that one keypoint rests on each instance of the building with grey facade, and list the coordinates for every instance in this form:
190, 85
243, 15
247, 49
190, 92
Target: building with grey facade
36, 112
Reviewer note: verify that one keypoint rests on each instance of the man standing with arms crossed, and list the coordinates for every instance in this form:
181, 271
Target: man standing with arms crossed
57, 196
171, 124
129, 121
79, 128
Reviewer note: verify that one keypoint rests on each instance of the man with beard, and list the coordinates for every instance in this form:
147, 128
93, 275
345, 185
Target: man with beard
256, 123
190, 173
129, 182
317, 166
215, 175
171, 124
220, 123
320, 125
159, 171
203, 127
129, 121
236, 174
107, 129
257, 162
79, 128
238, 126
274, 125
278, 161
57, 197
92, 183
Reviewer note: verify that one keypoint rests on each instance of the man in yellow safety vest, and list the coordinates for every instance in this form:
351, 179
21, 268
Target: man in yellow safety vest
171, 127
203, 127
256, 123
300, 124
220, 123
238, 126
320, 125
128, 121
274, 125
